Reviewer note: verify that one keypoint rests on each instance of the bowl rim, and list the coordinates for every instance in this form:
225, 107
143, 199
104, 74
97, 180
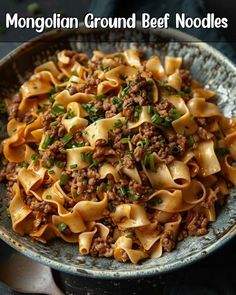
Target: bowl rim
179, 36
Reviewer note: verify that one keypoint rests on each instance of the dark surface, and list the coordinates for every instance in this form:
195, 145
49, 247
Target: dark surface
213, 275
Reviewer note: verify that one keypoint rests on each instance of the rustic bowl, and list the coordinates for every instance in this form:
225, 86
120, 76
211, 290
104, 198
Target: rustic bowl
206, 64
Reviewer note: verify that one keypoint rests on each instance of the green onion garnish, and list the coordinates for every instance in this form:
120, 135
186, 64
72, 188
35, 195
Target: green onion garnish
63, 179
75, 194
51, 172
59, 164
89, 157
129, 236
152, 163
118, 124
53, 124
24, 165
123, 191
73, 166
67, 138
156, 119
125, 140
125, 91
82, 155
47, 141
175, 114
61, 227
58, 109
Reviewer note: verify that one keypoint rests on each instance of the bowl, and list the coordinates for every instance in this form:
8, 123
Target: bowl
206, 64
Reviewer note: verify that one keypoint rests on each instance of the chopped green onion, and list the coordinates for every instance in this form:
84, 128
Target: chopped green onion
166, 122
107, 187
100, 97
175, 114
140, 143
125, 91
67, 138
35, 157
53, 124
125, 140
51, 172
74, 73
123, 191
149, 109
89, 157
82, 155
59, 164
118, 124
48, 164
63, 179
156, 119
146, 141
180, 93
146, 160
48, 197
117, 101
47, 141
129, 236
191, 140
61, 227
137, 111
94, 164
89, 108
24, 165
133, 197
58, 109
75, 194
73, 166
152, 163
70, 114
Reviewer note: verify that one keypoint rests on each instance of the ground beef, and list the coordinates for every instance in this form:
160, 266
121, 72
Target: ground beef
9, 172
101, 248
138, 153
186, 79
128, 162
13, 106
196, 223
211, 198
201, 121
204, 134
103, 151
168, 241
54, 151
85, 182
47, 118
163, 108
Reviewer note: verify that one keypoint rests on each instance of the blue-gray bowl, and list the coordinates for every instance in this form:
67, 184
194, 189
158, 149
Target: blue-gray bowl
206, 64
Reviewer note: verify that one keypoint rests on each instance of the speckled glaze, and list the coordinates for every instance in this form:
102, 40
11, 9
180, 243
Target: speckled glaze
206, 64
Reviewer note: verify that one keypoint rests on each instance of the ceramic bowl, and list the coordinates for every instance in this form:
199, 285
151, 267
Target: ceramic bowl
206, 64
